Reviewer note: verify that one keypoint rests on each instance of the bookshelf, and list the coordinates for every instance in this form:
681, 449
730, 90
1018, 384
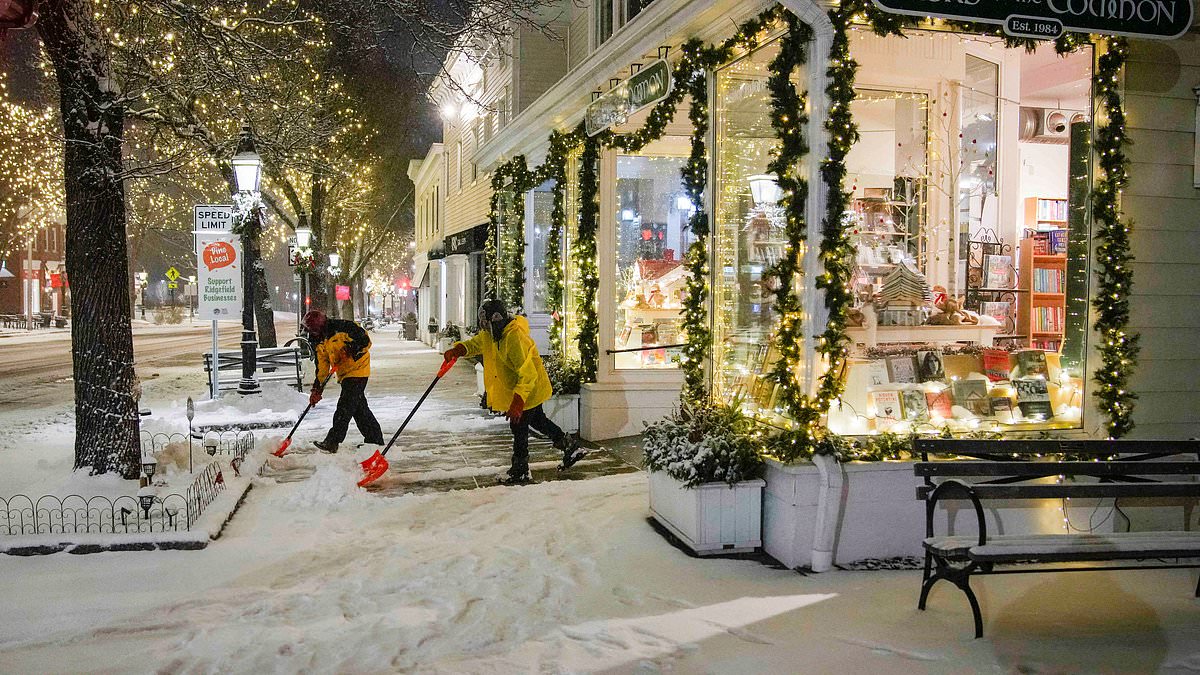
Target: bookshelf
1041, 314
1045, 213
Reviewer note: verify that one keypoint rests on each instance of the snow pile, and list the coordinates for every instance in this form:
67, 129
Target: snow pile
333, 484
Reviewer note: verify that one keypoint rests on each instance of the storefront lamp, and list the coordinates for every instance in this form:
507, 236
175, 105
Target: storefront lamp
247, 165
303, 237
765, 189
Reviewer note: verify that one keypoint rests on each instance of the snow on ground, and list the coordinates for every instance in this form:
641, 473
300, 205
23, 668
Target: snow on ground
317, 576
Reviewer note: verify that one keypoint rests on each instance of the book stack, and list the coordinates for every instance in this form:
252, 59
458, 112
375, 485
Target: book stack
1048, 280
1041, 243
905, 286
1058, 242
1052, 209
1047, 319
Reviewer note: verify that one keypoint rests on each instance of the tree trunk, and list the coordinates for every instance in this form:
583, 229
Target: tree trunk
321, 297
106, 416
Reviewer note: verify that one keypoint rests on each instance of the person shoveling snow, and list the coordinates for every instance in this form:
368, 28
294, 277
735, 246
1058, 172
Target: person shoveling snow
514, 376
343, 346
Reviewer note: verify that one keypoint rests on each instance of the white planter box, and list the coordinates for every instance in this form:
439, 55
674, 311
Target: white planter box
479, 386
563, 410
710, 518
870, 510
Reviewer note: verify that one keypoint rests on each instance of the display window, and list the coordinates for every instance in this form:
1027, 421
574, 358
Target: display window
969, 188
539, 207
570, 234
749, 234
650, 236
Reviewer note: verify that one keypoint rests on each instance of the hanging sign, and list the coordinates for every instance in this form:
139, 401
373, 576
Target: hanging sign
645, 87
1158, 19
220, 278
341, 292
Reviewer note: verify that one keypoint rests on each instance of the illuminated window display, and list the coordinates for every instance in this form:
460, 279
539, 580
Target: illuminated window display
749, 235
651, 235
540, 206
967, 185
570, 268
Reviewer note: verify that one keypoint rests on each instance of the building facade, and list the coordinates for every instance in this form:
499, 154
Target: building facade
969, 192
35, 277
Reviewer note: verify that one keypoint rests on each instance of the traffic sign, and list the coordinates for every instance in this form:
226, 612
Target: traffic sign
172, 285
172, 275
212, 218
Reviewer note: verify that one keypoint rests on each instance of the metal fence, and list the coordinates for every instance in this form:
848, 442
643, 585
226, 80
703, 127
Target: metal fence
77, 514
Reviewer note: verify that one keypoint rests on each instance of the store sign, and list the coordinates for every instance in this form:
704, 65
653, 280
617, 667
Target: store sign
219, 266
468, 241
649, 85
341, 292
1160, 19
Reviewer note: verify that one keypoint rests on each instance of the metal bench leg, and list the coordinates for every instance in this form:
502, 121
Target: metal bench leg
930, 579
964, 583
1198, 587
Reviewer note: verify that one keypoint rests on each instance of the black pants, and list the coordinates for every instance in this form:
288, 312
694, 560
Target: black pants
536, 418
353, 404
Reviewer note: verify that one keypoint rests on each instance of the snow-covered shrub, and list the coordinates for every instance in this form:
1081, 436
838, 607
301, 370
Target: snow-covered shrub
451, 331
566, 375
703, 443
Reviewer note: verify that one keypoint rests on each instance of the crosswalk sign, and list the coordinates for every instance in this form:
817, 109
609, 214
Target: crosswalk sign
172, 274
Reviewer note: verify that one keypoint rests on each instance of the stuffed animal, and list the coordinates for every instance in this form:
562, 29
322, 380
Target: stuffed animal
950, 314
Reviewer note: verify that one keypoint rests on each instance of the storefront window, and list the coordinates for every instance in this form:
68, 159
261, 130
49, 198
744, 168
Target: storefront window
539, 207
749, 234
968, 215
571, 268
651, 235
507, 237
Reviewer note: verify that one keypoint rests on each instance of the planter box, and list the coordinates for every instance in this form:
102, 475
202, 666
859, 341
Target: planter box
816, 516
563, 410
710, 518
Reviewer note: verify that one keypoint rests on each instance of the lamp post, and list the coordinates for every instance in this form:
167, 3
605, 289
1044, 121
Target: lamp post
303, 240
143, 277
247, 170
335, 269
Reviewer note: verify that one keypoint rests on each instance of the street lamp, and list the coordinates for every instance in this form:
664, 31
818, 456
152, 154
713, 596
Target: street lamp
304, 253
247, 170
335, 262
143, 277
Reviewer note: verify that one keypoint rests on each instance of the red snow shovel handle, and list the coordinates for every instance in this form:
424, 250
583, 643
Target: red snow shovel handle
288, 441
441, 373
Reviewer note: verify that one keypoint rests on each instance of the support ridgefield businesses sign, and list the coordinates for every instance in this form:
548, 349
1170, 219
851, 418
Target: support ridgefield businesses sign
1157, 19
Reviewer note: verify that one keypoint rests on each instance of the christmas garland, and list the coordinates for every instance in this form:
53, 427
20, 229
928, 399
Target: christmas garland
583, 250
1118, 346
555, 168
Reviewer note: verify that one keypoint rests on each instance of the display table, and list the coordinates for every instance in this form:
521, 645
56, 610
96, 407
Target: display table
975, 333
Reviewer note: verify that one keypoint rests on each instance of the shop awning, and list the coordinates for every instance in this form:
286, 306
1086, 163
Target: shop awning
423, 276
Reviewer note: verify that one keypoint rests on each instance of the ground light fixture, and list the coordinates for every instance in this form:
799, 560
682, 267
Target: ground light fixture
210, 446
149, 465
146, 497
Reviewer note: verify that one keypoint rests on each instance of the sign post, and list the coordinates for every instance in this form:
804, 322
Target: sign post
219, 278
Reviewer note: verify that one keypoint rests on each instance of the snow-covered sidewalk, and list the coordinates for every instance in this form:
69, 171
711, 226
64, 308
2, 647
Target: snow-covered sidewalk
313, 576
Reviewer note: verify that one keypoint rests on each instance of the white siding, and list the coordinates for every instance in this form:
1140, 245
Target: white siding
1165, 211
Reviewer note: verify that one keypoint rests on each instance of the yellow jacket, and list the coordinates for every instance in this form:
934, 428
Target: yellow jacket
512, 366
343, 340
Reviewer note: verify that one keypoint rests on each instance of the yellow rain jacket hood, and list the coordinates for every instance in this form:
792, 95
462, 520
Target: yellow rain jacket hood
511, 366
346, 348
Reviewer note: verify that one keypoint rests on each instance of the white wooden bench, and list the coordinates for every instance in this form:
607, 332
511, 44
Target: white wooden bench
1002, 470
272, 364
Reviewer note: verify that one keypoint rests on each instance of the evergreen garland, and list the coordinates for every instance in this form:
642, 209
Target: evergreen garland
695, 304
583, 250
555, 168
1118, 346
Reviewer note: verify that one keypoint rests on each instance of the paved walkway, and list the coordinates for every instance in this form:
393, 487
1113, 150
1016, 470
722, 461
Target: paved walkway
452, 443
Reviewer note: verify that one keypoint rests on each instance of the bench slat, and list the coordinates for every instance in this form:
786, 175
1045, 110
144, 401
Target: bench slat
1036, 469
1075, 490
1070, 547
944, 446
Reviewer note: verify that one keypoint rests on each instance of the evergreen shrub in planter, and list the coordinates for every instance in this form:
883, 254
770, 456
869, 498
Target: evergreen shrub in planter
566, 376
705, 470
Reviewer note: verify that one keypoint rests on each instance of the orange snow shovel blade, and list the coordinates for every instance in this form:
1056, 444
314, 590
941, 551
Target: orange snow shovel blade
373, 467
376, 465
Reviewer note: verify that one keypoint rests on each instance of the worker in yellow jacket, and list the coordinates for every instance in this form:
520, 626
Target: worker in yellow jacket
516, 384
343, 347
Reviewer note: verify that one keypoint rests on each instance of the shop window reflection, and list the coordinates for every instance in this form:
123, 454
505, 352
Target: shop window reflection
651, 236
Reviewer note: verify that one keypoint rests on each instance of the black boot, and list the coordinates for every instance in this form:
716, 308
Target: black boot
572, 453
521, 479
326, 446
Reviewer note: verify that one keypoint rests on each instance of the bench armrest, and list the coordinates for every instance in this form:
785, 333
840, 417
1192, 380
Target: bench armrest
946, 488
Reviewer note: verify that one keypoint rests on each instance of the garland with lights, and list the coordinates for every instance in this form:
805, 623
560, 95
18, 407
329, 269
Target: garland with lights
1118, 346
555, 168
583, 251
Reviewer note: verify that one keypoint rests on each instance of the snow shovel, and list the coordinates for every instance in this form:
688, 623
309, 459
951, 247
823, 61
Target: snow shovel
376, 465
288, 441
